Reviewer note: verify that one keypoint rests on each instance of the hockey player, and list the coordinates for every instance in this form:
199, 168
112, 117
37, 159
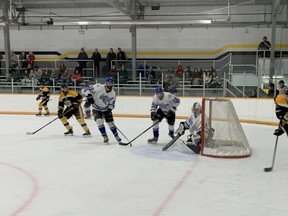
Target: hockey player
281, 87
281, 110
104, 102
71, 101
44, 96
164, 105
88, 97
193, 124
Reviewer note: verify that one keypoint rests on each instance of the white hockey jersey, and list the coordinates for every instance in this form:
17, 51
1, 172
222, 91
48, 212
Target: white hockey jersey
194, 123
85, 93
103, 99
168, 102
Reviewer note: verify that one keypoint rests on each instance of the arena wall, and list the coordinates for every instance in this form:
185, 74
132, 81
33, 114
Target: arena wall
151, 43
259, 111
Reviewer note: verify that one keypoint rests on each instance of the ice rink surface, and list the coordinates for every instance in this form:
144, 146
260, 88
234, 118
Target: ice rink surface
47, 174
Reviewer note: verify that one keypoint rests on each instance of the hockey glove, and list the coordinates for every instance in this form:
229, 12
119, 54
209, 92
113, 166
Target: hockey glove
107, 114
153, 116
90, 98
38, 97
157, 115
181, 129
60, 113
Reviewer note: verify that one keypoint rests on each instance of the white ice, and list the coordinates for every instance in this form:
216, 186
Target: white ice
47, 174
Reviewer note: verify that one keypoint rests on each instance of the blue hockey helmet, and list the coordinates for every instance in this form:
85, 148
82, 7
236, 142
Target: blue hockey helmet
109, 80
158, 89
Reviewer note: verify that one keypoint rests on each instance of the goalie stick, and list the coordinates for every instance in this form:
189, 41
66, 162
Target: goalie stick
125, 144
171, 142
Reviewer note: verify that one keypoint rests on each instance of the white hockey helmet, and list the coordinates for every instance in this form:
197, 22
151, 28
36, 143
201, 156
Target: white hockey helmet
196, 109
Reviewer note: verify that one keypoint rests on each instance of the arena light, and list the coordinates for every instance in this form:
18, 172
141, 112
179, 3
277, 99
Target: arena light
132, 22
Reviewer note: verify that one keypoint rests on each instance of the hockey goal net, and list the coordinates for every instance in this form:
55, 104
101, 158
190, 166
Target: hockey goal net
224, 136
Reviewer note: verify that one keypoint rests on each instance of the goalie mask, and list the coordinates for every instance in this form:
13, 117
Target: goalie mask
196, 109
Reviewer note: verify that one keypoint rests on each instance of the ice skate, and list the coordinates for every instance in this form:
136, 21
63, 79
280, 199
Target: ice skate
87, 117
153, 140
69, 132
38, 114
105, 139
87, 134
47, 114
117, 138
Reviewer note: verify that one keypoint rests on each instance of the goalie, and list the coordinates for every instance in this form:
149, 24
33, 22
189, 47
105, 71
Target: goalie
193, 124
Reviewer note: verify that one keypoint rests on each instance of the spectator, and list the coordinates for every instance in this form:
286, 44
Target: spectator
45, 77
33, 77
121, 57
166, 82
188, 73
28, 70
76, 77
123, 75
82, 57
23, 61
110, 59
253, 93
31, 59
158, 75
96, 57
180, 71
53, 78
174, 84
196, 82
14, 61
113, 72
143, 70
150, 74
78, 68
208, 78
62, 69
38, 72
65, 78
264, 47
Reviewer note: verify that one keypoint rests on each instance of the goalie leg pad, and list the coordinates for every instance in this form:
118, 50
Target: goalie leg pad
195, 148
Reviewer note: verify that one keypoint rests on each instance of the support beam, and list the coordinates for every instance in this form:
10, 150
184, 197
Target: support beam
130, 11
5, 11
134, 51
273, 40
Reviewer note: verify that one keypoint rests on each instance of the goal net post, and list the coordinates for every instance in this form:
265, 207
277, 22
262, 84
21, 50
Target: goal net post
222, 135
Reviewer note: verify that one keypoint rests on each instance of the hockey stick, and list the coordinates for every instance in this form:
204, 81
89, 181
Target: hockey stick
268, 169
171, 142
31, 133
125, 144
124, 136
